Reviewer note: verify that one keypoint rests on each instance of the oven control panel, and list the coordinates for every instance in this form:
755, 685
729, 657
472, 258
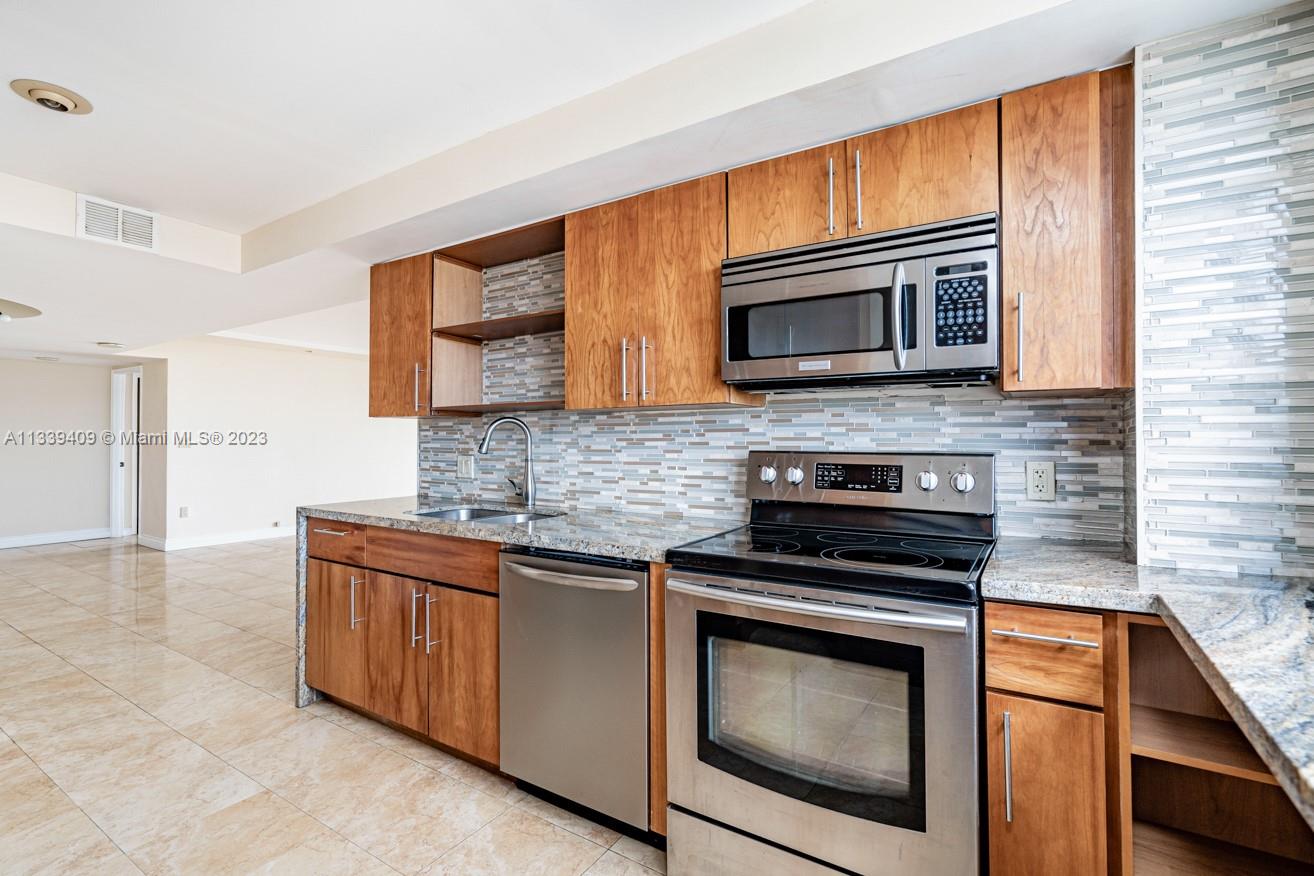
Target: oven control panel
962, 310
958, 482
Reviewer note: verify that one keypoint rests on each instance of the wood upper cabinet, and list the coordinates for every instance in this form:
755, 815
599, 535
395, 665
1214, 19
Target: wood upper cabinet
463, 666
397, 668
1046, 788
789, 201
401, 328
608, 268
1066, 234
335, 643
643, 293
930, 170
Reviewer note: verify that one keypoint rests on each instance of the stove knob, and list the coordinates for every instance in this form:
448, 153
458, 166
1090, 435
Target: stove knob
794, 475
927, 481
962, 482
767, 474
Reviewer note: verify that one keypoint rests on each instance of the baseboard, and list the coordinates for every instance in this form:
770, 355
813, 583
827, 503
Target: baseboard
196, 541
36, 538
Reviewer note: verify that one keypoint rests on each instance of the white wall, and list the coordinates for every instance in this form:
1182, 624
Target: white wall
53, 493
321, 444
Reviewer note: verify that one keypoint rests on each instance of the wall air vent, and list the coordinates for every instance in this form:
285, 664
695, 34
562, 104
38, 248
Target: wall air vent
107, 221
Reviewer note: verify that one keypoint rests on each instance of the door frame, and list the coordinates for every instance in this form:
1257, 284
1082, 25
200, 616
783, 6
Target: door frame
125, 456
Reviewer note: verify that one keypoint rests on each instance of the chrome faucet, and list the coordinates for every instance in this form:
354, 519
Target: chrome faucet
529, 492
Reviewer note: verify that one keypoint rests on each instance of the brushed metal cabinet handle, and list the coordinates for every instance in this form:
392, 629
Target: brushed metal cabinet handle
428, 642
331, 531
830, 196
625, 369
1051, 640
644, 347
1008, 767
1020, 324
351, 607
857, 171
415, 594
418, 372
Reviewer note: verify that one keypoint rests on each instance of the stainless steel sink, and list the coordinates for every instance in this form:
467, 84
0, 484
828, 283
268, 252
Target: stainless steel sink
487, 515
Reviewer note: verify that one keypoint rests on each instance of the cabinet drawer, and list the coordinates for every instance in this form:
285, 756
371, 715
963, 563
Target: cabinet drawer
465, 562
336, 541
1026, 651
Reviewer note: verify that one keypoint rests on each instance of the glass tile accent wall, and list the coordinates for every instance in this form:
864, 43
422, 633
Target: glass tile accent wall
1226, 376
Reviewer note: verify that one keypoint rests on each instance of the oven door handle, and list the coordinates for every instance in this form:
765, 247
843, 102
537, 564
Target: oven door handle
874, 616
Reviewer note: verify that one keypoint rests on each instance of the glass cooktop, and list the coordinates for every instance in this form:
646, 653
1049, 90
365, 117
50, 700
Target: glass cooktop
850, 558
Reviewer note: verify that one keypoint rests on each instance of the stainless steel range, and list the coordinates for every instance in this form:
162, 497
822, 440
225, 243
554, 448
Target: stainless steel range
823, 674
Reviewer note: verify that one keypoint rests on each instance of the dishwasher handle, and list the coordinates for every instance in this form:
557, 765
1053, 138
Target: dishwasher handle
568, 579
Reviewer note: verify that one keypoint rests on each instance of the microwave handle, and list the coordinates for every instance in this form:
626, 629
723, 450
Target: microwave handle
896, 292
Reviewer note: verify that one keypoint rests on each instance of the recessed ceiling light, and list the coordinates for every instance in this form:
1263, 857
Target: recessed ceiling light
47, 358
52, 97
11, 310
109, 345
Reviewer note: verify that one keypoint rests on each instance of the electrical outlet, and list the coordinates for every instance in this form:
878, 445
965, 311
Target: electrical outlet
465, 466
278, 523
1040, 481
182, 510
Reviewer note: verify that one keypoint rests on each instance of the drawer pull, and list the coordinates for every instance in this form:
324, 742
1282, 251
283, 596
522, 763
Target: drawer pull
331, 531
1008, 766
1052, 640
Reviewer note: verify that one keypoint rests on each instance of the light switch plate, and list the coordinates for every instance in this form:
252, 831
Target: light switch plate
1040, 481
465, 466
183, 511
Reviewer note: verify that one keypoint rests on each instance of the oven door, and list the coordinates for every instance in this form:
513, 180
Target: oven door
845, 732
834, 323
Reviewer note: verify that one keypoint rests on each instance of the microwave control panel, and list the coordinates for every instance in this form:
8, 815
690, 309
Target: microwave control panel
960, 305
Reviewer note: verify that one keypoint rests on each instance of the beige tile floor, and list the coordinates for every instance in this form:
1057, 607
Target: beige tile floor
147, 726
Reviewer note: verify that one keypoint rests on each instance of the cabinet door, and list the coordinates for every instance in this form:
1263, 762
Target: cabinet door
1065, 277
463, 694
397, 670
401, 307
608, 270
933, 169
789, 201
1051, 759
681, 317
335, 645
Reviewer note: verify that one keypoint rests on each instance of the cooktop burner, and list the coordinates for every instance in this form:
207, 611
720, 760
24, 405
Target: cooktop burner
851, 558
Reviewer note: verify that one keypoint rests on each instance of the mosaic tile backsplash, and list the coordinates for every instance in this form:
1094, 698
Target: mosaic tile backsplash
533, 366
1227, 315
692, 462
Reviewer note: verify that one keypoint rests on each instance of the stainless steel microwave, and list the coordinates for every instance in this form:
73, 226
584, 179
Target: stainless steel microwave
916, 305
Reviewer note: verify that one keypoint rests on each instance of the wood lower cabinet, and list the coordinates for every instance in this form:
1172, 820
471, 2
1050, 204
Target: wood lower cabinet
397, 670
929, 170
643, 287
337, 610
789, 201
463, 667
1049, 759
1066, 233
401, 328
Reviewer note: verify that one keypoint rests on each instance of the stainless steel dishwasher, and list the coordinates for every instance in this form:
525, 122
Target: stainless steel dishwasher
574, 679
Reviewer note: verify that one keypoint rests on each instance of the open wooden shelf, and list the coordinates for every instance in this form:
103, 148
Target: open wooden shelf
1160, 851
1190, 740
505, 327
527, 242
502, 407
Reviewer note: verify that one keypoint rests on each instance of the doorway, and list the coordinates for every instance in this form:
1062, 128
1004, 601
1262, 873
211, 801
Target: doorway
125, 452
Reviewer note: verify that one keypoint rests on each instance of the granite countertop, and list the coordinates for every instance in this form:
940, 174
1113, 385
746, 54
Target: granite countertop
1252, 637
643, 537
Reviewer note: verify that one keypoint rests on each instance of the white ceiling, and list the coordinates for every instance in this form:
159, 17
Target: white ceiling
341, 329
91, 292
232, 114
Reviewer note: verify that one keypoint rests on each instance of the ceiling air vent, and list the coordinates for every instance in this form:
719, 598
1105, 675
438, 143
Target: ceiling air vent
114, 223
